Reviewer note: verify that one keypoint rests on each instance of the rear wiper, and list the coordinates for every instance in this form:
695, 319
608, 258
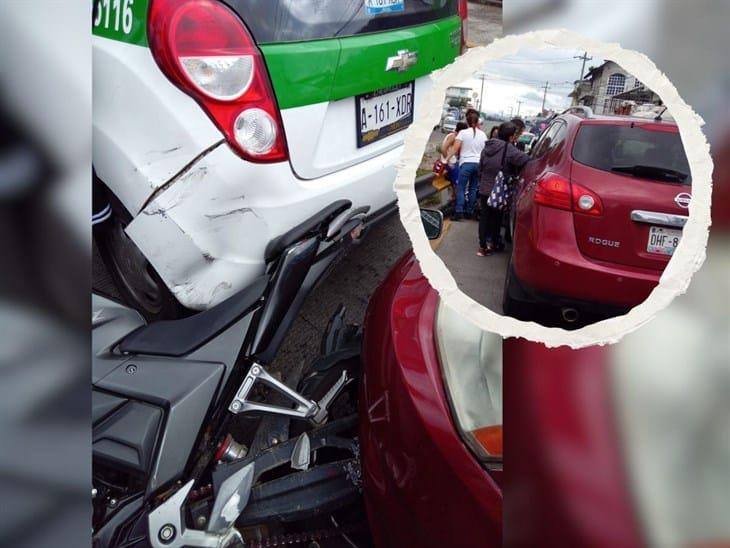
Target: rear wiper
652, 172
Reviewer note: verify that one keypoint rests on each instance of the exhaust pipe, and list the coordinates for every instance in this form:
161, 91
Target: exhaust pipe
570, 315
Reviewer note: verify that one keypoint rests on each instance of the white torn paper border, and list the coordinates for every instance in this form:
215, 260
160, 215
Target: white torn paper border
689, 255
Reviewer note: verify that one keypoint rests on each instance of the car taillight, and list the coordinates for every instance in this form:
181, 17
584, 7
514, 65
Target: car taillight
464, 14
585, 201
205, 50
555, 191
471, 361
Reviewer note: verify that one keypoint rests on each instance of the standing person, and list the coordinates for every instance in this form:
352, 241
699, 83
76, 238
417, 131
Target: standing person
494, 132
520, 125
499, 155
451, 161
468, 144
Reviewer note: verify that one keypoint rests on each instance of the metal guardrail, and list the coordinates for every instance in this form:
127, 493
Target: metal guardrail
424, 186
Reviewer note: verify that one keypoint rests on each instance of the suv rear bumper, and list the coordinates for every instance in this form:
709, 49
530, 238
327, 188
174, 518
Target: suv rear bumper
549, 262
549, 306
206, 233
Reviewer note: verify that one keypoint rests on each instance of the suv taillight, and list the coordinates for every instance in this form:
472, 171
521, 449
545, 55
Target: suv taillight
555, 191
206, 51
464, 14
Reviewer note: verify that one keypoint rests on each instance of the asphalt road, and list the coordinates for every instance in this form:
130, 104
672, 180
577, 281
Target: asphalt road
351, 283
481, 278
484, 23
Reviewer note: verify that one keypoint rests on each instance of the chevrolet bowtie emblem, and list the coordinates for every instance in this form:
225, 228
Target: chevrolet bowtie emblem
401, 62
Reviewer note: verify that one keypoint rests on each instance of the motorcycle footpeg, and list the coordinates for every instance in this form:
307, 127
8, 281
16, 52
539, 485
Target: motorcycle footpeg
305, 408
326, 401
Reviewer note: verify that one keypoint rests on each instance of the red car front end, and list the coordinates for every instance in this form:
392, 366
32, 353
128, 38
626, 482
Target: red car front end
423, 485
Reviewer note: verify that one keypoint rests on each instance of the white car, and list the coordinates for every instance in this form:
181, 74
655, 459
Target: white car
527, 139
449, 124
219, 126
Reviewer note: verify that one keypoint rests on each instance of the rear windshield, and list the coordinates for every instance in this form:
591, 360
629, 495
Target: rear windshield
633, 151
297, 20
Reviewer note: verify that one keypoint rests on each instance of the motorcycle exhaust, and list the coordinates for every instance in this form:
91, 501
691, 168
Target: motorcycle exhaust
570, 315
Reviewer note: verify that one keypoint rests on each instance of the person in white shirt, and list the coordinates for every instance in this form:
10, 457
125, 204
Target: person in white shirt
468, 144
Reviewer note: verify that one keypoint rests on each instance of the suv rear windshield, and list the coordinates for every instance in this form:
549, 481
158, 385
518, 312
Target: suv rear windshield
633, 150
299, 20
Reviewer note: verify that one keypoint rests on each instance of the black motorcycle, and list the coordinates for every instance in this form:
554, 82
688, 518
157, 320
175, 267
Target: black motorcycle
196, 443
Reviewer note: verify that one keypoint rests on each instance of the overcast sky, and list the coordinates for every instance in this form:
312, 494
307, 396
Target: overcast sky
521, 77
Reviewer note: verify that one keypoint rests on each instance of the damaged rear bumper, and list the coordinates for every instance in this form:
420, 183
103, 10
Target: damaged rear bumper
206, 231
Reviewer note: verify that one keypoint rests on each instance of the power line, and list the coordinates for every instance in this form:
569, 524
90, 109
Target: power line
534, 62
526, 81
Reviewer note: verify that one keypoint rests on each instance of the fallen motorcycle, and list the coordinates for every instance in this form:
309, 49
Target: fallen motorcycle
196, 442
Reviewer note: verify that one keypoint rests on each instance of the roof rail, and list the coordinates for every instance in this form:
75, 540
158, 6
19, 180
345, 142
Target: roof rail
578, 110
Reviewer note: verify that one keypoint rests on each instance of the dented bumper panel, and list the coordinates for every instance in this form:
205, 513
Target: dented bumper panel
205, 232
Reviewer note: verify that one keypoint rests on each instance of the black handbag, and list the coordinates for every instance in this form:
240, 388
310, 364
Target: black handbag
500, 195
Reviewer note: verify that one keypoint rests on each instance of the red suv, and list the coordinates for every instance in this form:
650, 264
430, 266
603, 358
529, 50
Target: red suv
598, 214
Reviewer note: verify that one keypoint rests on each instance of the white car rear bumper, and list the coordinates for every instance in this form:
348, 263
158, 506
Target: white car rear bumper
206, 231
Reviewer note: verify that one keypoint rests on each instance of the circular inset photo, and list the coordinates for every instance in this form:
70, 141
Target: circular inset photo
562, 189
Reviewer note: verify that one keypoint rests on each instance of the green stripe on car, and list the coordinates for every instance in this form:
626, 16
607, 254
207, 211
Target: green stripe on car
122, 20
305, 73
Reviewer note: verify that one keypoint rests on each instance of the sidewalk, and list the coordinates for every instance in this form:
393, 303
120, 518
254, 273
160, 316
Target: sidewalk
481, 278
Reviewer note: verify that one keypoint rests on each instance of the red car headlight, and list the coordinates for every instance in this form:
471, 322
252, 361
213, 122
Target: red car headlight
471, 361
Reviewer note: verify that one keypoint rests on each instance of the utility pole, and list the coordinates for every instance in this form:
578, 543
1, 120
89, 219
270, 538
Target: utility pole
544, 95
482, 77
585, 58
519, 104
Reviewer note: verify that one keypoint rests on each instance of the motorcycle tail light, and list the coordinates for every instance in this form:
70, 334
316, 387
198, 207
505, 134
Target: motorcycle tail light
206, 51
471, 362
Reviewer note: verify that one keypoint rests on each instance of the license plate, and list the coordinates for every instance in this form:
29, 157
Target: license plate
383, 113
384, 6
663, 241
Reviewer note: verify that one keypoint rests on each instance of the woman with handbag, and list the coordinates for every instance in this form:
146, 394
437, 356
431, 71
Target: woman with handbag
499, 162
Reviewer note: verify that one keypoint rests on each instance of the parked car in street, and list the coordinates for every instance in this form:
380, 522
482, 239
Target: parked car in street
526, 141
218, 126
430, 409
598, 215
449, 123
